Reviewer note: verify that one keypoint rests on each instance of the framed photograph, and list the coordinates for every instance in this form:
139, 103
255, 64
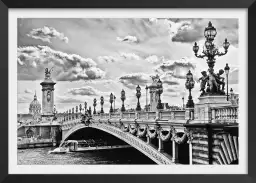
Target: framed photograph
106, 89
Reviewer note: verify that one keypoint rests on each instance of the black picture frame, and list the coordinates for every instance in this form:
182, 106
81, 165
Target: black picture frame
6, 4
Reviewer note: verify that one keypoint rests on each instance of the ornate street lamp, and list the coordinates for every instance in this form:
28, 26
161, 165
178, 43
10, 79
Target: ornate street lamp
211, 50
73, 113
76, 112
67, 118
190, 85
101, 103
90, 111
138, 95
111, 99
123, 99
159, 91
94, 105
182, 102
85, 107
80, 108
227, 72
146, 98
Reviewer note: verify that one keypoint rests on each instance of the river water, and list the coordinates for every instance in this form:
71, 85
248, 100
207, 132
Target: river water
40, 156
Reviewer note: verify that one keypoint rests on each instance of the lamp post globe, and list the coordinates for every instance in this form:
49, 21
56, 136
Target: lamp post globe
226, 45
210, 32
195, 48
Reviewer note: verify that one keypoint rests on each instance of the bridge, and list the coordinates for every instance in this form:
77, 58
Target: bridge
168, 137
201, 133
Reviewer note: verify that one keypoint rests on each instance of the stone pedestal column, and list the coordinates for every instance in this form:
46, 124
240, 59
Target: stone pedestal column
160, 145
189, 113
148, 140
174, 152
190, 153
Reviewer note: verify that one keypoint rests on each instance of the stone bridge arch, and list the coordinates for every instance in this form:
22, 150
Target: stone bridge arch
130, 139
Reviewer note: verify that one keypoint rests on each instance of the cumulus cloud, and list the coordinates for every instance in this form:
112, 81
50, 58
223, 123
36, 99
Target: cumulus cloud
131, 56
233, 76
24, 99
46, 34
28, 91
67, 100
107, 59
67, 67
85, 90
129, 39
191, 30
134, 79
153, 59
175, 68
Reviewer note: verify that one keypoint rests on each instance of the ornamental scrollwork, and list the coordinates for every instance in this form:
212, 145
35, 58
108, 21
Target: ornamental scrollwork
165, 134
125, 127
142, 131
152, 132
133, 128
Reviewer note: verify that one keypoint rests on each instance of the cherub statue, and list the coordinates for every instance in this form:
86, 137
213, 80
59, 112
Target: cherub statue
213, 85
204, 80
220, 81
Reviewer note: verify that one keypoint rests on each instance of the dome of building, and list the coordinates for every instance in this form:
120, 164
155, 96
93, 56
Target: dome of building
35, 106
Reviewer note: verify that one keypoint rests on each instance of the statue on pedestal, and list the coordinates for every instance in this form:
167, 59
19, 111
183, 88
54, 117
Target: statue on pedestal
215, 83
48, 73
204, 81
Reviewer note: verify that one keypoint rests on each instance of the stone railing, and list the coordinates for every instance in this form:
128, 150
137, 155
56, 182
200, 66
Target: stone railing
172, 115
225, 114
161, 115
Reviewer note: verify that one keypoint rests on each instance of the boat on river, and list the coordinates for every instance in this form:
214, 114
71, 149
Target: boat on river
59, 150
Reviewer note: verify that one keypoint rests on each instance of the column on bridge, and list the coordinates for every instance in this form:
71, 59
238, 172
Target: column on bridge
190, 153
160, 144
148, 139
174, 152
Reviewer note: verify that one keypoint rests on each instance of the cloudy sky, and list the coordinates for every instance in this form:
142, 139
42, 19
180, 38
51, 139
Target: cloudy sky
94, 57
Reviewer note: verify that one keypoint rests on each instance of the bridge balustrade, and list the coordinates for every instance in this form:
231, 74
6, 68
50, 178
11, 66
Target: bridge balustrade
225, 114
142, 115
105, 115
151, 115
128, 115
173, 114
115, 115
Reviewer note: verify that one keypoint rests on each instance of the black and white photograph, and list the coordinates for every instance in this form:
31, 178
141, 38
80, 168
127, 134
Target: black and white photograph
129, 91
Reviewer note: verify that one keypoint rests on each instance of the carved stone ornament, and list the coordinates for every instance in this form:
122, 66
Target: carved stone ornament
48, 96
